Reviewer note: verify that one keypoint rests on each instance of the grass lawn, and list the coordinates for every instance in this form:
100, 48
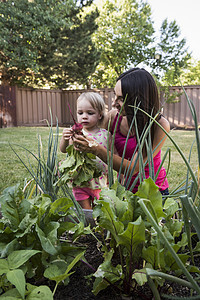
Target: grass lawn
13, 171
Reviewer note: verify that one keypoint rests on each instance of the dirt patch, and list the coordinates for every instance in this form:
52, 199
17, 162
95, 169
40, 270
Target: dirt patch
81, 282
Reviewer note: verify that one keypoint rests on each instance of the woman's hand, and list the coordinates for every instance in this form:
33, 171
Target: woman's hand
84, 144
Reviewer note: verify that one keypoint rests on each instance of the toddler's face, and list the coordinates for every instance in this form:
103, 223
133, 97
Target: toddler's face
87, 115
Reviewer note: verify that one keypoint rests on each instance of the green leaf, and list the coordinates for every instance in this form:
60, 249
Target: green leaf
148, 190
108, 271
61, 206
59, 271
4, 268
107, 218
155, 258
48, 244
78, 167
133, 235
42, 206
41, 293
17, 278
118, 206
13, 206
140, 276
19, 257
25, 225
12, 294
170, 207
8, 248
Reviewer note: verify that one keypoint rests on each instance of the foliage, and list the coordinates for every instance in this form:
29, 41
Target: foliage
150, 236
45, 171
12, 274
191, 75
10, 163
46, 42
172, 54
126, 38
78, 168
36, 226
134, 240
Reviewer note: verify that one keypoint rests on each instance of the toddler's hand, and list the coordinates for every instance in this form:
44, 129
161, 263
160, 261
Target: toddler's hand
67, 133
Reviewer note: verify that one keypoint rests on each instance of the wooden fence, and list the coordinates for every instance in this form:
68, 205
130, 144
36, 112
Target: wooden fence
32, 107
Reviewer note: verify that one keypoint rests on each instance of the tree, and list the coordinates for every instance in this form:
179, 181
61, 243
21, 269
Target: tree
126, 38
172, 54
191, 75
47, 42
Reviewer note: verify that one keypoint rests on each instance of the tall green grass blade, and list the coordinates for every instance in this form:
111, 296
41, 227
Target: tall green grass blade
151, 272
177, 148
33, 175
167, 153
193, 212
194, 115
188, 231
194, 284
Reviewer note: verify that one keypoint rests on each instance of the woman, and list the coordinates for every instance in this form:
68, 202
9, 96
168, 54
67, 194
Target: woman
138, 89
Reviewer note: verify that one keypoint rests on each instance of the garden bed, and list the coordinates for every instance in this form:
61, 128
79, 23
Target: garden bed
81, 282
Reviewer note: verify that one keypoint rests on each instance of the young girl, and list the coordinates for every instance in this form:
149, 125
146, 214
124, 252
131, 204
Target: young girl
90, 113
138, 87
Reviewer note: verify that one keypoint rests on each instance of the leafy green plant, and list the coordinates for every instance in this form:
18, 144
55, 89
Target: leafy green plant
12, 272
45, 171
39, 225
133, 240
78, 168
135, 222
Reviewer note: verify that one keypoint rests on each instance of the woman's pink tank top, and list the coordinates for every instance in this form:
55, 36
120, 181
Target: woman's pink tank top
120, 141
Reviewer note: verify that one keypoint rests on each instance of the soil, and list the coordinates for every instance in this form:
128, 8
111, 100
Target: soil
81, 283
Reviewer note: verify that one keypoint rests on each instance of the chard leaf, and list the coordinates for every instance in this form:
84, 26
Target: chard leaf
19, 257
133, 235
17, 278
26, 225
13, 206
148, 190
108, 271
61, 206
171, 263
48, 241
153, 257
78, 168
4, 268
175, 227
7, 248
118, 206
42, 205
107, 218
140, 276
170, 207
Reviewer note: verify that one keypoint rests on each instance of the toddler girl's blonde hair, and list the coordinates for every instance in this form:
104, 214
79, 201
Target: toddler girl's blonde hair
96, 101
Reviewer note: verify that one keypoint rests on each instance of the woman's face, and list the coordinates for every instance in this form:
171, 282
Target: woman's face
118, 101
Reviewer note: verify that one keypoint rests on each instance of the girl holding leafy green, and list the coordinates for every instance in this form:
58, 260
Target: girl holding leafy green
90, 114
135, 88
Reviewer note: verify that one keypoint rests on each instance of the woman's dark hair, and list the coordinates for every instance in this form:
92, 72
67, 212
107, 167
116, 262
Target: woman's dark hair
139, 89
